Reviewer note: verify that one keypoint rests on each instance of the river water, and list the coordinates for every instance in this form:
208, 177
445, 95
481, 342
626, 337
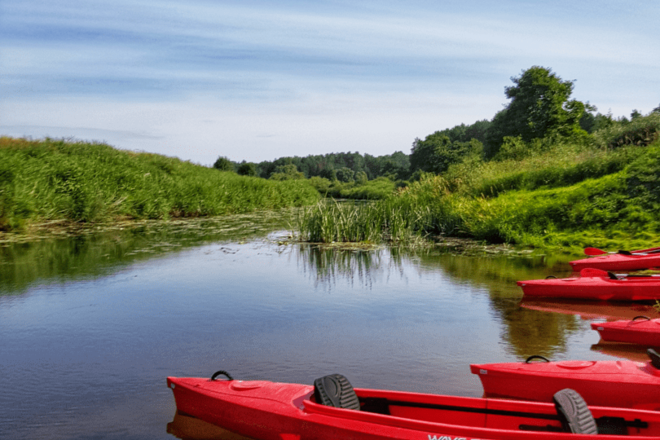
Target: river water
90, 326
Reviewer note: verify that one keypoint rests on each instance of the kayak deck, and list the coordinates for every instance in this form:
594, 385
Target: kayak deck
594, 284
607, 383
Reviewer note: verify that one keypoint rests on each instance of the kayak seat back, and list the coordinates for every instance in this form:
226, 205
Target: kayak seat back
574, 413
335, 390
655, 357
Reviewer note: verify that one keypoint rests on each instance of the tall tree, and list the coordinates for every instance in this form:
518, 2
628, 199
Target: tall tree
539, 106
437, 152
223, 164
247, 169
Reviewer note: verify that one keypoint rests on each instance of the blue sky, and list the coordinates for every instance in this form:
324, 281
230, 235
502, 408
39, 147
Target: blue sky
257, 80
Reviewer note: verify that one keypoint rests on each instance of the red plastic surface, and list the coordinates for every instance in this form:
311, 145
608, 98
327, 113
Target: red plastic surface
605, 383
277, 410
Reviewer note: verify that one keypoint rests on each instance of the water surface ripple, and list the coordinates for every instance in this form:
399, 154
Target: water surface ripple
86, 345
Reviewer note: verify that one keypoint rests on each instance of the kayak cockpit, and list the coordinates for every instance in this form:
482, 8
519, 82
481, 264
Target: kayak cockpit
421, 411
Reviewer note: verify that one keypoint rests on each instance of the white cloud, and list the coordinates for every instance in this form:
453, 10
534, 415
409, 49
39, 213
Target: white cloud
270, 79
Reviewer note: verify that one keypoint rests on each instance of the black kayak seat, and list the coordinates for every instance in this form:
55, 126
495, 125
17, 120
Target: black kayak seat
574, 413
655, 357
335, 390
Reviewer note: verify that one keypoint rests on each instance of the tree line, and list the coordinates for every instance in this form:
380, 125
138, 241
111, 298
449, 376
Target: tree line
342, 167
540, 113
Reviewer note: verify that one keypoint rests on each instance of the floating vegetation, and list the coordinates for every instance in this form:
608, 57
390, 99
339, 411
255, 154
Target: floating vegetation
66, 252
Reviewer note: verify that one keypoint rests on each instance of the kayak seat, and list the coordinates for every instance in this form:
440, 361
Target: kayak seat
335, 390
574, 414
655, 357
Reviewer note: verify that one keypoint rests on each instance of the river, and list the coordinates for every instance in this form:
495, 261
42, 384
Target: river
91, 325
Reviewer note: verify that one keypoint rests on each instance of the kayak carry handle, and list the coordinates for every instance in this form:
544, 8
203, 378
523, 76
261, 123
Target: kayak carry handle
221, 373
550, 277
641, 317
536, 356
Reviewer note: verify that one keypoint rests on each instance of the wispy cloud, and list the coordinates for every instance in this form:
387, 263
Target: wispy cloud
272, 62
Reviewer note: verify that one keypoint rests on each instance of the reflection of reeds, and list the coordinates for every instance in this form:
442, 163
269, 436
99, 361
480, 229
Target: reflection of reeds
328, 264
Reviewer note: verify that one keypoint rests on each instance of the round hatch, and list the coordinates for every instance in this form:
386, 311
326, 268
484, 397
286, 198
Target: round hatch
239, 385
575, 365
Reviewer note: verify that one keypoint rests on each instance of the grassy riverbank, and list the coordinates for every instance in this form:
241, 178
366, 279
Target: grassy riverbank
561, 194
50, 180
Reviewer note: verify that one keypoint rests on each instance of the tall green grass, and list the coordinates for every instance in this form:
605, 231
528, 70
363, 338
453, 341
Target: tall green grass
87, 182
565, 196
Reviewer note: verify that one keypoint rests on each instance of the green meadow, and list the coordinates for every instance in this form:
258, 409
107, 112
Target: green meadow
556, 193
56, 180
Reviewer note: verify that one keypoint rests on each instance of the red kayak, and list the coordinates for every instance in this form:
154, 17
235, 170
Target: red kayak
332, 409
595, 284
640, 330
606, 383
621, 260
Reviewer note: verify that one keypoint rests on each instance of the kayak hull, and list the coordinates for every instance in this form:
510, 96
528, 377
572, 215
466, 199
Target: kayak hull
642, 332
618, 262
277, 411
594, 288
606, 383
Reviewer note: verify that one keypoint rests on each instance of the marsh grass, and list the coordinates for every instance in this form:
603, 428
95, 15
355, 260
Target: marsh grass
50, 180
564, 197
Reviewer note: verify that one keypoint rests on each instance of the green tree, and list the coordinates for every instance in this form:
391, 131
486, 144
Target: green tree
223, 164
345, 174
287, 172
247, 169
437, 152
361, 177
539, 107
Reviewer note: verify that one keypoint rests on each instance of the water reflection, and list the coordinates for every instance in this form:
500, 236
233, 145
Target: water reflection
611, 311
326, 265
186, 427
103, 318
103, 252
631, 352
525, 331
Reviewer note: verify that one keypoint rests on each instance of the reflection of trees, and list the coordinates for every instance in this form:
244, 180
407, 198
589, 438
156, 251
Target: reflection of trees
531, 332
93, 254
527, 331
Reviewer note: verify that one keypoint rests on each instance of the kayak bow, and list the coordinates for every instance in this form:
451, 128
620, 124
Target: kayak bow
606, 383
640, 330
